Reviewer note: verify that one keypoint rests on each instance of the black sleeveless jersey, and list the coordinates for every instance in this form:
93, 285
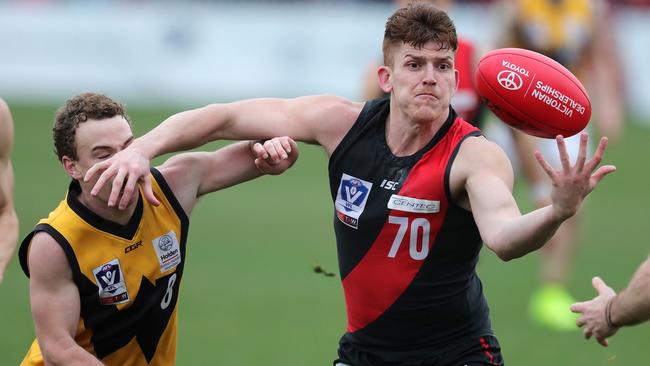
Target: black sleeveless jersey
407, 253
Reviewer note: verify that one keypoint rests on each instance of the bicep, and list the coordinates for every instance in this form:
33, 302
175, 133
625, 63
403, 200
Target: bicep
490, 198
53, 295
322, 119
488, 183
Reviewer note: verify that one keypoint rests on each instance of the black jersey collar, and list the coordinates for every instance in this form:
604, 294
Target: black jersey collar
124, 231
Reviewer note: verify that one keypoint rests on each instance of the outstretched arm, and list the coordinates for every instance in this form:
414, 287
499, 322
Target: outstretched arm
486, 176
55, 304
8, 218
191, 175
604, 314
316, 119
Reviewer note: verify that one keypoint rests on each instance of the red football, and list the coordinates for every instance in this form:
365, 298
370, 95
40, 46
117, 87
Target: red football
532, 93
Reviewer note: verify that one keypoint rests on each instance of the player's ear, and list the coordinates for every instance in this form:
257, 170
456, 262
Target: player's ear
71, 168
385, 82
457, 77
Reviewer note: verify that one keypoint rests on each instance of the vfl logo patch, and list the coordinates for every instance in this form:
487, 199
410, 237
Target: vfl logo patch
351, 198
110, 280
167, 250
408, 204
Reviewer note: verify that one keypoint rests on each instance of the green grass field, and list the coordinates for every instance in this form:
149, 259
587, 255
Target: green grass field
249, 296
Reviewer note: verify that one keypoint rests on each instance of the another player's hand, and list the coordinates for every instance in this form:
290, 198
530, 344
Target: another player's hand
571, 184
593, 319
276, 155
127, 169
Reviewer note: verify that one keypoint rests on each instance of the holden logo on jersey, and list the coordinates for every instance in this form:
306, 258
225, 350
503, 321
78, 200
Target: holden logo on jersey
110, 281
351, 199
167, 250
409, 204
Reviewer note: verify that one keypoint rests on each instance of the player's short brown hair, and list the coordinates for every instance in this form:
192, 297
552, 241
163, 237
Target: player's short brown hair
79, 109
418, 24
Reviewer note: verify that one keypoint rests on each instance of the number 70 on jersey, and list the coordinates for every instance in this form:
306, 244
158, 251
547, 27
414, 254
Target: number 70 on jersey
418, 244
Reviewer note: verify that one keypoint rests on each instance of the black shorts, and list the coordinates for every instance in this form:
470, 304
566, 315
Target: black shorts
480, 351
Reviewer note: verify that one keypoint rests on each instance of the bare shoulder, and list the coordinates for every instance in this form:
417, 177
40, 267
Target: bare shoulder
479, 152
330, 117
180, 169
477, 158
47, 260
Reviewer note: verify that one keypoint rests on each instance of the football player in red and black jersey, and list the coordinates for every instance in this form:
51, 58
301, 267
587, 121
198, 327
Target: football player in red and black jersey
416, 190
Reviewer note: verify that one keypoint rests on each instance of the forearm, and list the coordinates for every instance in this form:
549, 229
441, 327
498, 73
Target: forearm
184, 131
239, 160
632, 305
518, 236
68, 353
8, 237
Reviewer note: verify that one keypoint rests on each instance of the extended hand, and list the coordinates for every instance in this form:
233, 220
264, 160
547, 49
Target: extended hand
276, 155
130, 165
594, 317
572, 184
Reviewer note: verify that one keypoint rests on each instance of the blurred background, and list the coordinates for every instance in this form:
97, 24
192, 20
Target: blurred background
249, 295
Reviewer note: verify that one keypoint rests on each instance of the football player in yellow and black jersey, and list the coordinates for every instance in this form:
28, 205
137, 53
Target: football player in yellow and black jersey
104, 282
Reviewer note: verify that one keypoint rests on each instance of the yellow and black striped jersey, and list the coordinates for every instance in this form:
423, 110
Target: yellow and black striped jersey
128, 276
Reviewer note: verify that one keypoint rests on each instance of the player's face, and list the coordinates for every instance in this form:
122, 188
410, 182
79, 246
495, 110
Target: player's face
423, 81
98, 140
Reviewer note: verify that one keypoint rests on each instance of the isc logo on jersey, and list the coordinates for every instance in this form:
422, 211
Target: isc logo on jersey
351, 198
110, 281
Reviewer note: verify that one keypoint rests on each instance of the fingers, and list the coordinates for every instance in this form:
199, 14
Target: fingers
262, 166
275, 149
579, 307
599, 285
276, 155
545, 165
582, 153
598, 156
148, 190
286, 144
103, 179
564, 155
93, 170
116, 188
599, 175
127, 191
603, 342
587, 333
260, 151
271, 150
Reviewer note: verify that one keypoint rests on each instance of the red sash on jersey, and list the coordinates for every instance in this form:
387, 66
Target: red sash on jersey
378, 280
